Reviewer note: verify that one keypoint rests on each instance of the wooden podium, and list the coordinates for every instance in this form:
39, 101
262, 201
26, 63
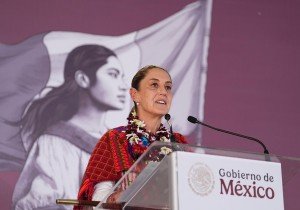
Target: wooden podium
192, 177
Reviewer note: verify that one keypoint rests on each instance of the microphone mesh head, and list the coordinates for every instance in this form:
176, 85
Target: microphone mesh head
167, 117
192, 119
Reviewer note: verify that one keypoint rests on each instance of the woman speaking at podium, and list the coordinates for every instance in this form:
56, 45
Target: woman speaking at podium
117, 150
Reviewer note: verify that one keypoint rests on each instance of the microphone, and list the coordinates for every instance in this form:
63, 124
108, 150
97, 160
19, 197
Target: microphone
196, 121
168, 117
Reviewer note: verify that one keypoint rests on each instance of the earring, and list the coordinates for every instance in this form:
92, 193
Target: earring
137, 103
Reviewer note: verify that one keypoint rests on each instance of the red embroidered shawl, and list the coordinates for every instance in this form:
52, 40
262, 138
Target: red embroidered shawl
108, 160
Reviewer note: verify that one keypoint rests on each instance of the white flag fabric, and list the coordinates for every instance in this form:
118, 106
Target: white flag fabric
178, 44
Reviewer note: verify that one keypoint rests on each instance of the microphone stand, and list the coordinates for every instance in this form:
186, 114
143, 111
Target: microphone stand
266, 152
172, 138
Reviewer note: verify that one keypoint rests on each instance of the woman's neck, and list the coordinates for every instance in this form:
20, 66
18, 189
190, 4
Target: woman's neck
89, 121
89, 117
152, 123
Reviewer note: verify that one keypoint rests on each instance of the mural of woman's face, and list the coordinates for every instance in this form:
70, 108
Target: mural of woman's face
109, 90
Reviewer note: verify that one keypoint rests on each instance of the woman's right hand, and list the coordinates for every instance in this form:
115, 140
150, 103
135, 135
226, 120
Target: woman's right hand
128, 180
124, 185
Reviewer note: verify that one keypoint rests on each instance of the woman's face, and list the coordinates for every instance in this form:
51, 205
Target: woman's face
109, 90
154, 95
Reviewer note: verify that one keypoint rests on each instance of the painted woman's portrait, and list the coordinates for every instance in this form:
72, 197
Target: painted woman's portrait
59, 130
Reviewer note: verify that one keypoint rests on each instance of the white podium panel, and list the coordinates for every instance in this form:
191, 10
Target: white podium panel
200, 178
212, 182
171, 176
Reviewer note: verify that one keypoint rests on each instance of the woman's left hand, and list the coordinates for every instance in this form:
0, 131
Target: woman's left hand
114, 196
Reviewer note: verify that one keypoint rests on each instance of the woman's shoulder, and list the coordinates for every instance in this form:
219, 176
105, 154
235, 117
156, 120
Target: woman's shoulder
112, 140
50, 145
118, 129
114, 133
49, 139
